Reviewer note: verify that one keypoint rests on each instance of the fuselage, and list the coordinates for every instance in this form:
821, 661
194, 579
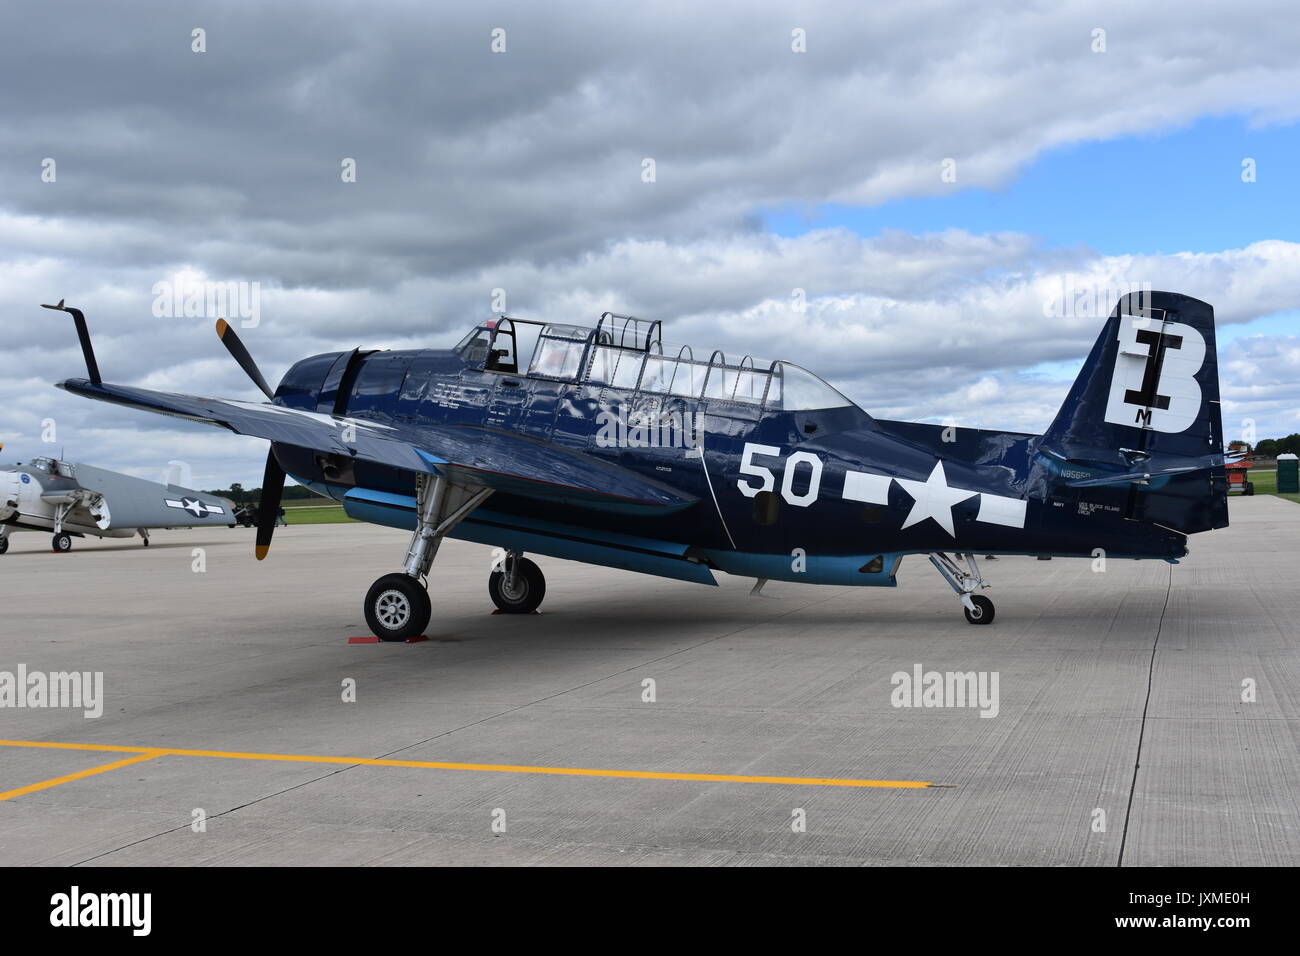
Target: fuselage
82, 499
815, 494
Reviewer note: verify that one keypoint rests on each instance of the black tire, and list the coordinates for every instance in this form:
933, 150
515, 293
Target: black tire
62, 542
530, 586
146, 542
397, 607
4, 544
983, 613
1250, 488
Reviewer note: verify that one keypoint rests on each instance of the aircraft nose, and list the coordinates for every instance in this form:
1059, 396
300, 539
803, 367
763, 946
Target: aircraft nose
8, 494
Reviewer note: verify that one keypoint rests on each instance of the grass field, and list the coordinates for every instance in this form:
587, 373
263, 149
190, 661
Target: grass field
311, 512
1265, 483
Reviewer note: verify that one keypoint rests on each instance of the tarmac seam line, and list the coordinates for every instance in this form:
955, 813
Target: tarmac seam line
1146, 705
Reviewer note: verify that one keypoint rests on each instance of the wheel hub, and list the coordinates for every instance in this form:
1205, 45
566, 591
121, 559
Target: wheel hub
392, 609
516, 593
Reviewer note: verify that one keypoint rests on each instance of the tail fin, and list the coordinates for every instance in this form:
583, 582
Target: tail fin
1145, 412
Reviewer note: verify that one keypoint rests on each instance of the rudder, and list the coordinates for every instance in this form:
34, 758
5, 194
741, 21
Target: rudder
1145, 411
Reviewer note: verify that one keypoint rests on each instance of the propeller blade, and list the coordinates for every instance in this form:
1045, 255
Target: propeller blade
269, 508
240, 354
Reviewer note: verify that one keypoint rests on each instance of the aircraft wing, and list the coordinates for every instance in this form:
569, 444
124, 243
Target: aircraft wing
508, 462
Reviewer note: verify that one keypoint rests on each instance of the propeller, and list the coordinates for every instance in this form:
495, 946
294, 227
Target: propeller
240, 354
269, 508
273, 477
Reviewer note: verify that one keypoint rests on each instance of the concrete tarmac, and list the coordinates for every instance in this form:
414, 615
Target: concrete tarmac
1121, 735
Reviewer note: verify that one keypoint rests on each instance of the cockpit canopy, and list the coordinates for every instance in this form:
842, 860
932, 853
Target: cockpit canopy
50, 466
625, 352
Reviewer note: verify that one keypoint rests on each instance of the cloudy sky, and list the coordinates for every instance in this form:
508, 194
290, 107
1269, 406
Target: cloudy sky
954, 188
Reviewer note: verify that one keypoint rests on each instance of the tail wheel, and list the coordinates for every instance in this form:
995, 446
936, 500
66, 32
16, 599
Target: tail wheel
982, 613
397, 607
62, 542
526, 593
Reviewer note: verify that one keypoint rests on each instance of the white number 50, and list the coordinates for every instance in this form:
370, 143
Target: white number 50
747, 467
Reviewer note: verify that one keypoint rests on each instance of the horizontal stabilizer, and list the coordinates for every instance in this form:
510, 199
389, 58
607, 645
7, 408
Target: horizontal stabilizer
1131, 477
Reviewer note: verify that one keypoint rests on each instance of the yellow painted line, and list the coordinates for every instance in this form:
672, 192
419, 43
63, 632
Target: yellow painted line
481, 767
79, 775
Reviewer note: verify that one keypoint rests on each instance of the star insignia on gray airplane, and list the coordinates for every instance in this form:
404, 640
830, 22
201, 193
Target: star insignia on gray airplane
933, 498
194, 506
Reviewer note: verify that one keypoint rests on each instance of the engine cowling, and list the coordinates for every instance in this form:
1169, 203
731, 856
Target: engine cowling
10, 485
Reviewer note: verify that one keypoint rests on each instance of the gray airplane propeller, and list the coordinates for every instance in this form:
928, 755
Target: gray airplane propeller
273, 477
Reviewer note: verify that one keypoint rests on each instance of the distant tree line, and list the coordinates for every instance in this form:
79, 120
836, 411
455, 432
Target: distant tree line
1272, 447
241, 495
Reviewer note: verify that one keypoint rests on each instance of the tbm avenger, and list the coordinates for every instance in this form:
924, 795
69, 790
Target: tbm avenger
586, 444
69, 498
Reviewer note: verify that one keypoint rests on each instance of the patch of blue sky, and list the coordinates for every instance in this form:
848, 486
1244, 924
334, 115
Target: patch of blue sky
1280, 323
1169, 192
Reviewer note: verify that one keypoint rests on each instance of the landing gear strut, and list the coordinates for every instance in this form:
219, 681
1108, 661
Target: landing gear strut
397, 605
518, 588
966, 581
62, 540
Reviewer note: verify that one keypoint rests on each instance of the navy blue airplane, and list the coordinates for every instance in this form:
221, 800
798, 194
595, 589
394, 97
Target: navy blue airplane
602, 445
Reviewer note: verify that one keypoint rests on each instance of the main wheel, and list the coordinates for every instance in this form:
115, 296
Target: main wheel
397, 607
1250, 488
62, 542
527, 593
983, 613
4, 544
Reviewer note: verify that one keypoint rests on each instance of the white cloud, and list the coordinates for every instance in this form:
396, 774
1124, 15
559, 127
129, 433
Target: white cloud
913, 327
522, 171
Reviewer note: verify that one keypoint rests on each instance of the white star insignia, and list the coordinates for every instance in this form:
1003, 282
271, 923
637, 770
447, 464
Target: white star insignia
933, 498
194, 506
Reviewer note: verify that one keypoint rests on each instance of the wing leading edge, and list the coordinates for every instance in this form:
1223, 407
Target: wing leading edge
513, 464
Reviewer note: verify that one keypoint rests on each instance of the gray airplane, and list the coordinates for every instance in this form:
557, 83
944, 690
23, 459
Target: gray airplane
70, 498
